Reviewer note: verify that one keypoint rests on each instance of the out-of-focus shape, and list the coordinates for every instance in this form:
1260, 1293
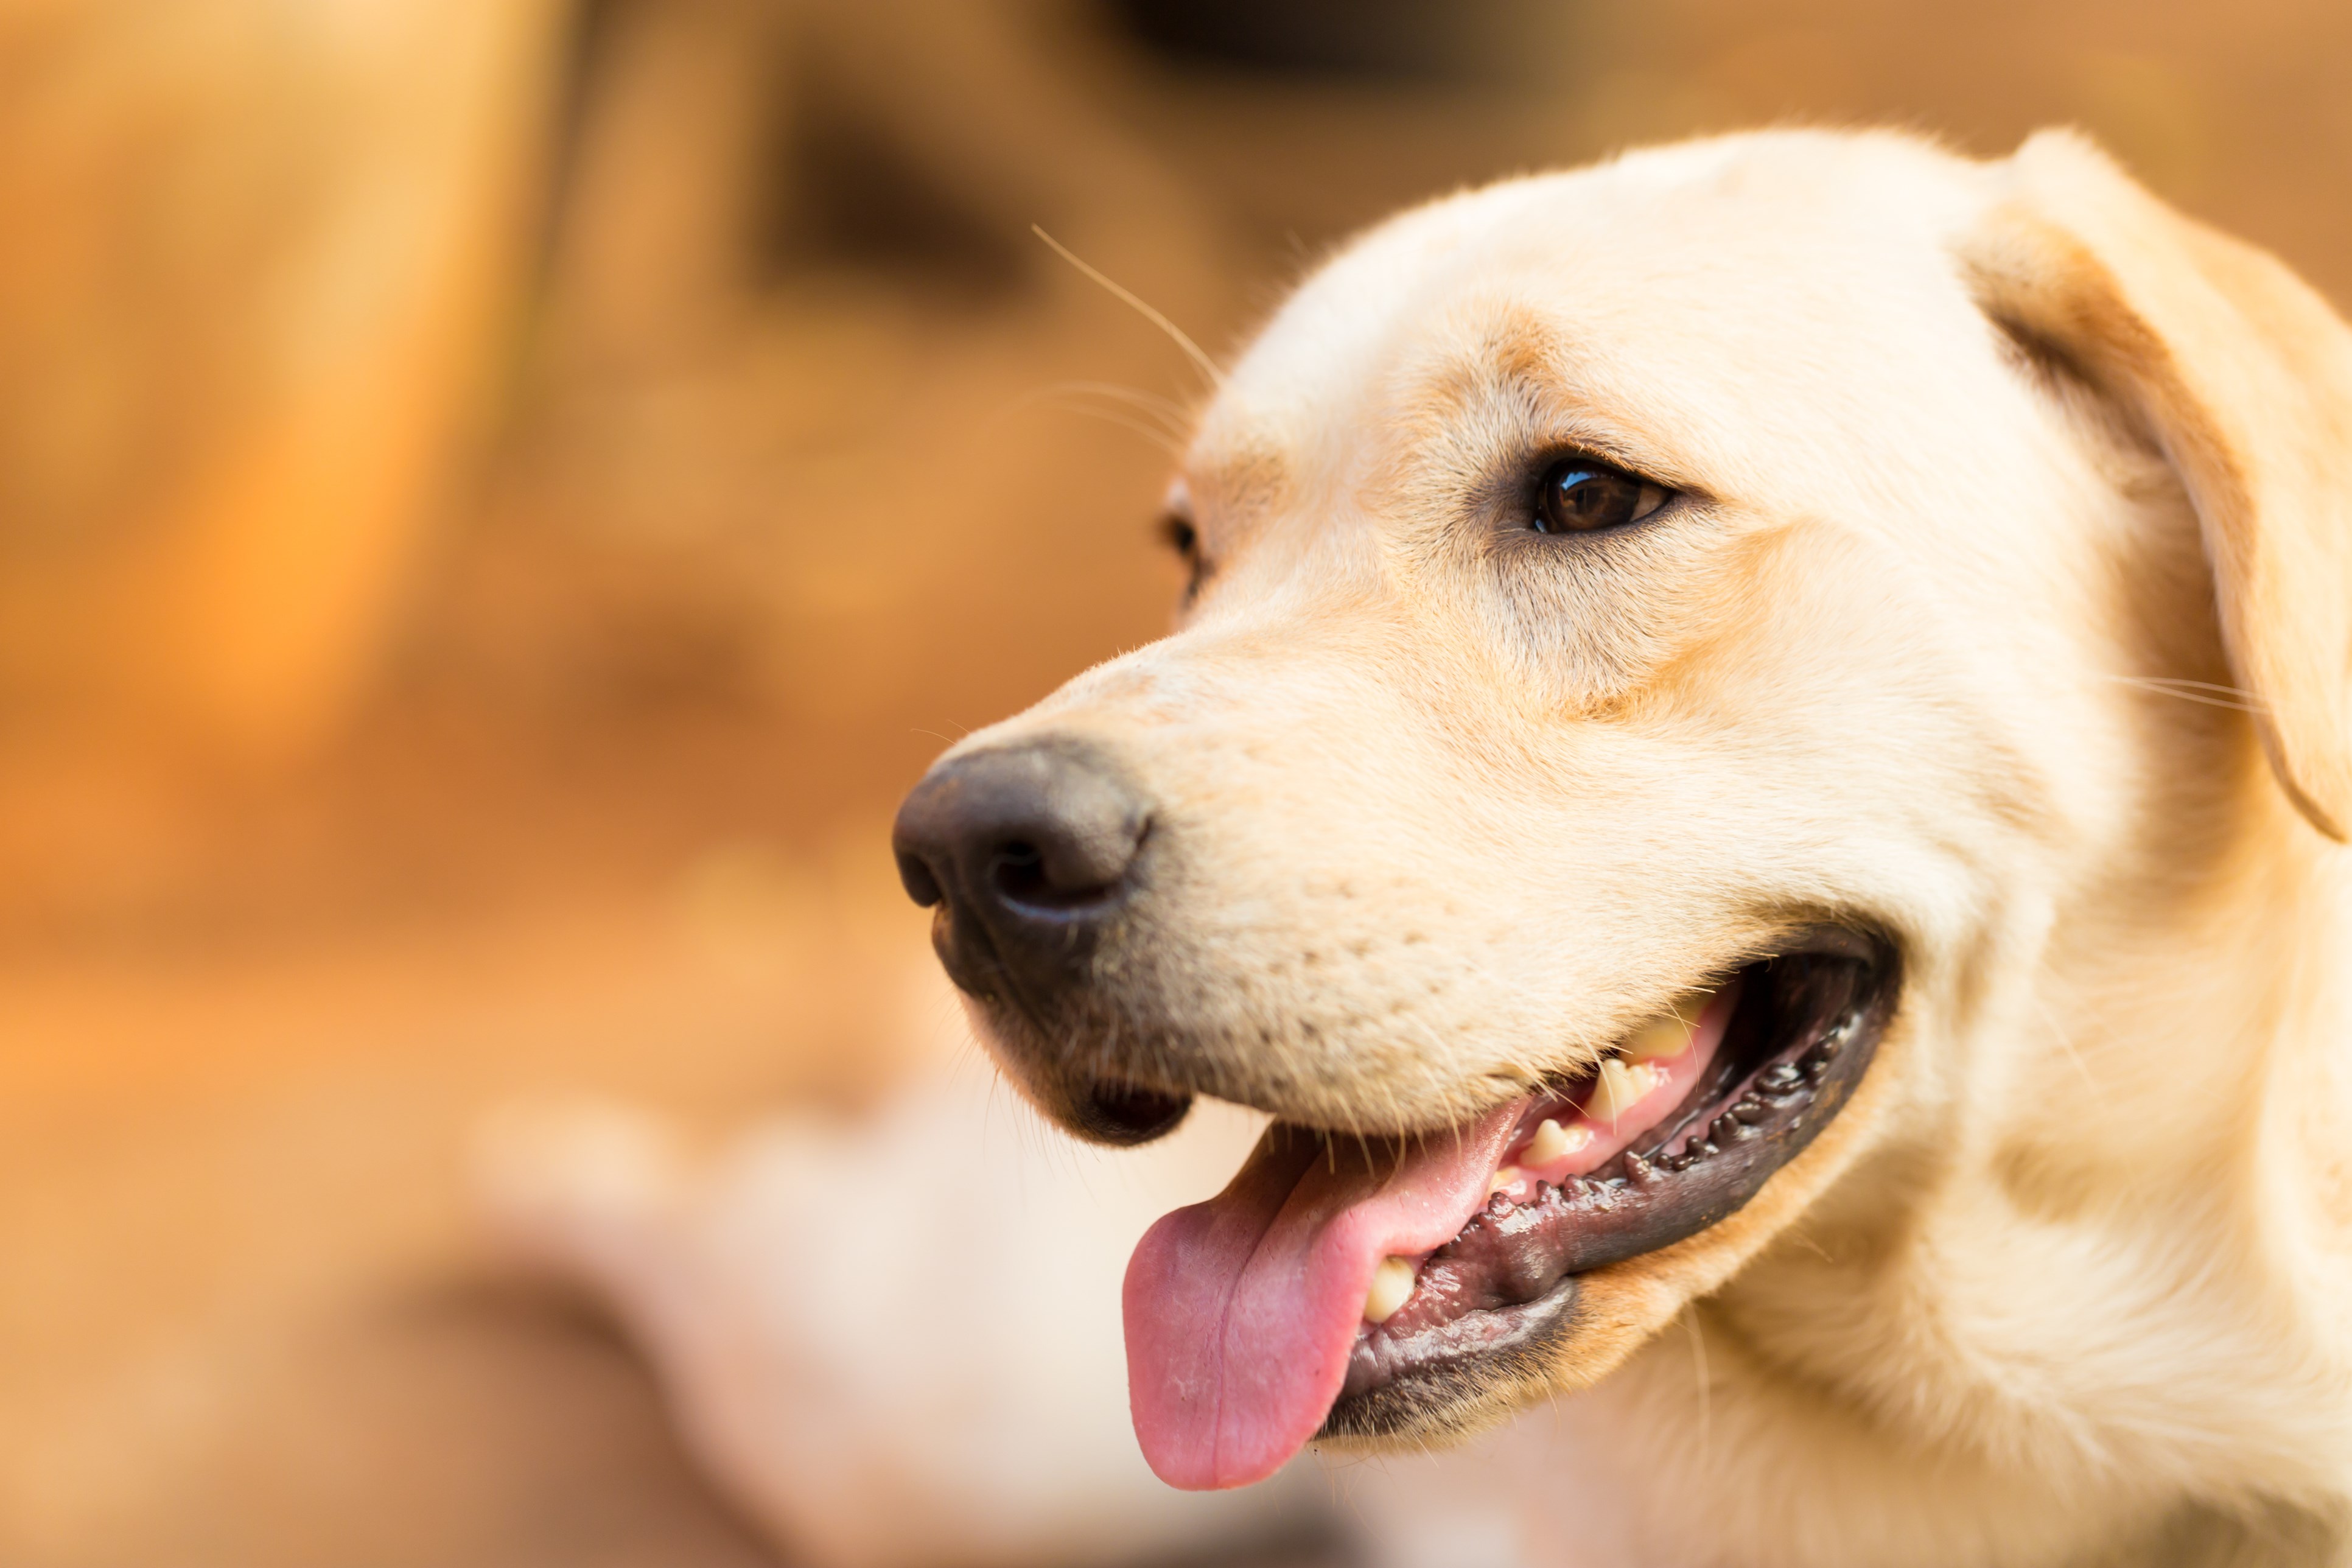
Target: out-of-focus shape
1390, 40
256, 251
895, 1342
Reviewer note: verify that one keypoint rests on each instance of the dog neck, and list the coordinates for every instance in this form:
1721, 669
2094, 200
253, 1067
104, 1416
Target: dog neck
2094, 1262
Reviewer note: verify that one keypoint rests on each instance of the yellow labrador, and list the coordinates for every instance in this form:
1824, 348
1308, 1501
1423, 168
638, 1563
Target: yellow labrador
1757, 738
1715, 753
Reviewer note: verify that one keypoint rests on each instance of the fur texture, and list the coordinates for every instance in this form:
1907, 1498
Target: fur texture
2010, 540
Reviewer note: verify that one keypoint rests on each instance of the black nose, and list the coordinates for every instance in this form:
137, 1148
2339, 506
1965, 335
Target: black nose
1029, 847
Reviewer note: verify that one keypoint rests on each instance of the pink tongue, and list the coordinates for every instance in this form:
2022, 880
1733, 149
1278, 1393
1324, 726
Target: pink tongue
1241, 1311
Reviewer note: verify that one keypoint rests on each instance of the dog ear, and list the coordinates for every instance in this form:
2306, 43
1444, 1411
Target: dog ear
2242, 377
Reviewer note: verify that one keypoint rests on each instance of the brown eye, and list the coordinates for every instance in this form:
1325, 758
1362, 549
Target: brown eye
1580, 496
1185, 540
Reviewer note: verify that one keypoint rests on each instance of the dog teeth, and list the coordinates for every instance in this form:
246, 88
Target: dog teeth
1502, 1178
1617, 1088
1392, 1283
1552, 1141
1667, 1036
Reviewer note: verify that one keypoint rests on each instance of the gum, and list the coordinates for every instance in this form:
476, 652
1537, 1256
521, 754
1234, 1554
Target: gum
1675, 1077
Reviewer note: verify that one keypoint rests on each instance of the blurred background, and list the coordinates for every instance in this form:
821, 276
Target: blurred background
497, 498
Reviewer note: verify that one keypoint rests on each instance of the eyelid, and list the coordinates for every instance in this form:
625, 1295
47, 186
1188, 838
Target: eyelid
1574, 440
1631, 466
1560, 463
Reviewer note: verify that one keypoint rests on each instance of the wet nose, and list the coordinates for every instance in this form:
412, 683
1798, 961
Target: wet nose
1029, 847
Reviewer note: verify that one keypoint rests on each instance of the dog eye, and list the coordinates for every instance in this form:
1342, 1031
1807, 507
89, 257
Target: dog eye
1578, 495
1184, 539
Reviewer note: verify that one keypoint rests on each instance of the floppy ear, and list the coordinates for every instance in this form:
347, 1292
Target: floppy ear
2243, 377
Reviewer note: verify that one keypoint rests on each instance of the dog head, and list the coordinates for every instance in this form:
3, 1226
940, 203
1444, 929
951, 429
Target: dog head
1665, 641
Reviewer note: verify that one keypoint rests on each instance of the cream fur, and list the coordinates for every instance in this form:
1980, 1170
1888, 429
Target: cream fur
1936, 642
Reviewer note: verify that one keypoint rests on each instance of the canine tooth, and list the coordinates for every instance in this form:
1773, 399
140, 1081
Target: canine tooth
1552, 1140
1501, 1179
1617, 1088
1669, 1034
1391, 1283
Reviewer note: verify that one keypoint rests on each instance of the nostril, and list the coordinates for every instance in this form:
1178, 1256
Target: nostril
916, 877
1018, 872
1055, 876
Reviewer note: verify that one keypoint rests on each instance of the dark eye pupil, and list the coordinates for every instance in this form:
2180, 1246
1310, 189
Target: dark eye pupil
1581, 497
1185, 539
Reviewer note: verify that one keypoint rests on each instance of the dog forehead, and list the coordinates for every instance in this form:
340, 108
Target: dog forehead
1689, 270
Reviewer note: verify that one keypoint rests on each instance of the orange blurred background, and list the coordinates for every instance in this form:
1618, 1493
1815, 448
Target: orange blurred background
498, 497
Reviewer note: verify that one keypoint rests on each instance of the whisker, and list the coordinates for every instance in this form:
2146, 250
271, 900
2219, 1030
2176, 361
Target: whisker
1062, 394
2206, 692
2200, 685
1152, 433
1208, 366
1178, 417
1705, 1383
2066, 1044
1797, 1233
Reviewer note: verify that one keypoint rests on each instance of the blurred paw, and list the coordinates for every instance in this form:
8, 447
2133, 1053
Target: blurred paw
549, 1175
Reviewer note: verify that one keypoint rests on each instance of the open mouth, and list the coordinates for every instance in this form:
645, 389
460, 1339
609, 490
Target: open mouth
1342, 1285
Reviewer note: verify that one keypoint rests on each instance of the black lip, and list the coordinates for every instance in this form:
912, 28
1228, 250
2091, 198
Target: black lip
1495, 1304
1119, 1112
